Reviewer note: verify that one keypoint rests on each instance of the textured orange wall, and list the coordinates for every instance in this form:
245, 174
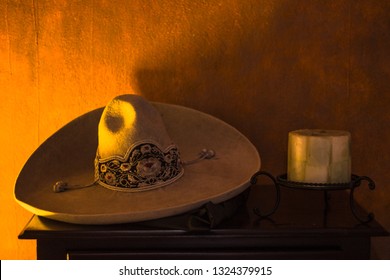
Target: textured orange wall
266, 67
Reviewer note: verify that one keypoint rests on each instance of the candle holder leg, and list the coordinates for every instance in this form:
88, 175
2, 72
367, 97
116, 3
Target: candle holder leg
253, 181
326, 207
326, 200
356, 182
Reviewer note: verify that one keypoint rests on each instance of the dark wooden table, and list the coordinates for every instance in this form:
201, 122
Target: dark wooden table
301, 228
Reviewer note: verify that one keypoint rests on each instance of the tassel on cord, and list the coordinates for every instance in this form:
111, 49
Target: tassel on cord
204, 154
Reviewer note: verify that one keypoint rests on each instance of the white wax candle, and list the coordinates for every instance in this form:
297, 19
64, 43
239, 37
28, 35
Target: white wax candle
319, 156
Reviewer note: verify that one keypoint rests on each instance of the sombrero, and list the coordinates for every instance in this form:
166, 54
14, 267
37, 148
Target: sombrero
135, 160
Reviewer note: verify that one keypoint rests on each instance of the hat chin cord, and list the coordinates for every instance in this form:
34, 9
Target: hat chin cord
204, 154
62, 186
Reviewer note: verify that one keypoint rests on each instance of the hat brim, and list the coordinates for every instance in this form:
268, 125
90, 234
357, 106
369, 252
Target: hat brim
68, 155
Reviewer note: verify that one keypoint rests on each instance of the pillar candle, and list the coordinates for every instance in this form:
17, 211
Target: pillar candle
319, 156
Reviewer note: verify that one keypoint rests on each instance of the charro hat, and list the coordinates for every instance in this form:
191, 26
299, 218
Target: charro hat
133, 161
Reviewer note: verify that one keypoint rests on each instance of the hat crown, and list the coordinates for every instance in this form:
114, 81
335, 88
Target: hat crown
129, 119
135, 151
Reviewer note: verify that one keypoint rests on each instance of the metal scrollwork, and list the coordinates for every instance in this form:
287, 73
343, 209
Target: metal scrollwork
281, 180
253, 181
356, 182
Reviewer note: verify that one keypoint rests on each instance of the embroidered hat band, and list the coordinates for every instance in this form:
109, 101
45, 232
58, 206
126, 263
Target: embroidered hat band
145, 166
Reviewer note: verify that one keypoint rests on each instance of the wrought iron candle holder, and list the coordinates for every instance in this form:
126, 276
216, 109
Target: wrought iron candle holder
282, 181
